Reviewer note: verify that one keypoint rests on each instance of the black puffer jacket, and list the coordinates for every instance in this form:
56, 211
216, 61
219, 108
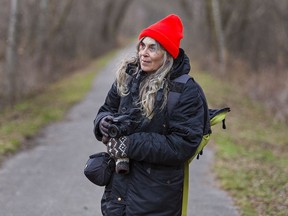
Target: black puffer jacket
157, 152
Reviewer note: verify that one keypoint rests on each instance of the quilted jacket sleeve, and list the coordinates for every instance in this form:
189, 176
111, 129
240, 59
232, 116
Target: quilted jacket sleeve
186, 130
109, 107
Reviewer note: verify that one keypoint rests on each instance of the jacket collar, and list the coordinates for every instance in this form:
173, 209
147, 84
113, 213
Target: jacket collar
181, 65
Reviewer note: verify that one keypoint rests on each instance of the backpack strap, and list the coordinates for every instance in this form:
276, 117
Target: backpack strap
177, 88
173, 97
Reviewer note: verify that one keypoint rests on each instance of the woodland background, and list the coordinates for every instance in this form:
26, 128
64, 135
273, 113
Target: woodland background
245, 42
50, 51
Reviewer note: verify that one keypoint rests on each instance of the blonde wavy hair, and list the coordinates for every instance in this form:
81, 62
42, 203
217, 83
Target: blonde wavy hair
150, 85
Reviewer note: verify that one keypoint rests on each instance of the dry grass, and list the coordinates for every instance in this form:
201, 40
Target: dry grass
252, 155
19, 124
269, 86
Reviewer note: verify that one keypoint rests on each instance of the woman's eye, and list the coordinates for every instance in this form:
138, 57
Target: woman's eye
152, 48
142, 46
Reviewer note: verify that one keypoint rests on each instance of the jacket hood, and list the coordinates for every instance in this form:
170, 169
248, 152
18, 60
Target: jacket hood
181, 65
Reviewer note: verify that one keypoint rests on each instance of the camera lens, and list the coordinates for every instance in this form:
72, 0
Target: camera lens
113, 131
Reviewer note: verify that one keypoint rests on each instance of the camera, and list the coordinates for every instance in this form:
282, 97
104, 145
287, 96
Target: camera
122, 125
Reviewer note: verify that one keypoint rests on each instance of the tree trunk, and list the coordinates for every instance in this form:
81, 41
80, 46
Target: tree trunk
123, 7
11, 53
61, 21
107, 21
42, 29
184, 4
220, 38
114, 15
200, 29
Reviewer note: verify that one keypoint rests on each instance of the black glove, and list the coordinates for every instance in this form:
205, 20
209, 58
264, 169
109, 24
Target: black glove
118, 148
104, 124
122, 166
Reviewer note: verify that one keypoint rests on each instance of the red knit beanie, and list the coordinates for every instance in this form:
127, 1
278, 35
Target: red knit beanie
168, 32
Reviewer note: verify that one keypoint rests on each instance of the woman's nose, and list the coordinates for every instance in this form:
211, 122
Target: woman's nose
145, 53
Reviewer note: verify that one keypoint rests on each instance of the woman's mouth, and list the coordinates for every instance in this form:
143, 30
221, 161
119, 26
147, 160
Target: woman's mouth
144, 62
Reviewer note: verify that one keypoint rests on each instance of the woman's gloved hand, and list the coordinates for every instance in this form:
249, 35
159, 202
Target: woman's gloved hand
104, 126
118, 147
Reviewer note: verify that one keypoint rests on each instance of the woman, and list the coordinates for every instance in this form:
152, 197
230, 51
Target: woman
156, 143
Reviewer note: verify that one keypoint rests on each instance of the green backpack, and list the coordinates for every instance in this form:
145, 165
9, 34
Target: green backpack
214, 117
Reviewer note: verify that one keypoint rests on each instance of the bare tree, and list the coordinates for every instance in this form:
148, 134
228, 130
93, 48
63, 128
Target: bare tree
186, 8
114, 13
42, 29
61, 20
200, 29
58, 35
119, 16
220, 38
11, 52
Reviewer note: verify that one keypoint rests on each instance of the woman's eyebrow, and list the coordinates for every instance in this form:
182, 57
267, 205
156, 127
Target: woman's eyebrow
151, 44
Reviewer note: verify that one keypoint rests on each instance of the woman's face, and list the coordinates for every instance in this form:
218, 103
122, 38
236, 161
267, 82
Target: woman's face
150, 55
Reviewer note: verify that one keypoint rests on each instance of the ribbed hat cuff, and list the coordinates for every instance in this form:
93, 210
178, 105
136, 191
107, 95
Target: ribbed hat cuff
171, 48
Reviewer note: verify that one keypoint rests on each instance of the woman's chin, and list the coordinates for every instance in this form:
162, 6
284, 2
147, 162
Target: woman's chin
147, 69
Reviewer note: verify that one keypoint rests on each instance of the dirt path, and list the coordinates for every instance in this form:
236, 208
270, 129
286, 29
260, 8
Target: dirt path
48, 180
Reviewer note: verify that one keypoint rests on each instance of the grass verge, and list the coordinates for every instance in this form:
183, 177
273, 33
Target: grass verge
27, 117
251, 160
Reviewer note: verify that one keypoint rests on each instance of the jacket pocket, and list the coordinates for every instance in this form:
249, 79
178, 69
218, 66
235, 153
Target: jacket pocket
167, 178
115, 208
157, 191
104, 201
114, 203
110, 205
